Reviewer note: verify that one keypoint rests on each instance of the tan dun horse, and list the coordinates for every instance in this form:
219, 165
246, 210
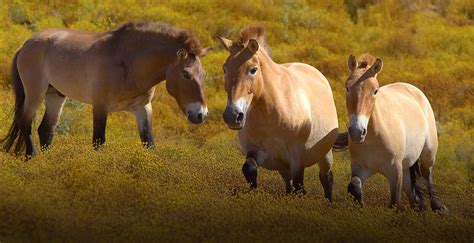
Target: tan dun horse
113, 71
390, 127
285, 113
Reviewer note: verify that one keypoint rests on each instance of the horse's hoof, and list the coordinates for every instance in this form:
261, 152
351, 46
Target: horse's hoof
437, 206
441, 209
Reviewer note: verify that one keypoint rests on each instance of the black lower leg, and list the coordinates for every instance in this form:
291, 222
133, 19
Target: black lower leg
249, 169
28, 138
355, 189
298, 182
146, 137
100, 120
326, 179
46, 133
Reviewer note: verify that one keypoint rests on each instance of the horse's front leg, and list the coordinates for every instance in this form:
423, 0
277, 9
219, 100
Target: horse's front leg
143, 115
286, 175
249, 169
396, 181
297, 175
100, 121
359, 175
326, 176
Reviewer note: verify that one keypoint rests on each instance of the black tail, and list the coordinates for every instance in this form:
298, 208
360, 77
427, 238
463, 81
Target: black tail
14, 134
342, 141
415, 175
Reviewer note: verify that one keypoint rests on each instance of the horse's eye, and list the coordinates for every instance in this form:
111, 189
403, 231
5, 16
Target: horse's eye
186, 75
347, 89
253, 71
223, 69
376, 91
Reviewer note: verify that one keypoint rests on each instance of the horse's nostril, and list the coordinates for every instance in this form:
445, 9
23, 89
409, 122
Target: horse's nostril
200, 116
240, 117
364, 132
351, 130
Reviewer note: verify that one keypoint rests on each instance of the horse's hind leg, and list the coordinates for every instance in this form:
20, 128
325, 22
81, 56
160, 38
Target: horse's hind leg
411, 189
54, 102
427, 172
326, 176
427, 160
32, 101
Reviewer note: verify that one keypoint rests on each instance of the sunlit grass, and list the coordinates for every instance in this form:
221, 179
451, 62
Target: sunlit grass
191, 187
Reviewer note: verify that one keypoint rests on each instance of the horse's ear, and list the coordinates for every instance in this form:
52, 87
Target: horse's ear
182, 54
352, 63
253, 45
377, 66
226, 43
205, 51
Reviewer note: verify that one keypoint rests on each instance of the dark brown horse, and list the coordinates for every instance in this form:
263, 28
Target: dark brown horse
113, 71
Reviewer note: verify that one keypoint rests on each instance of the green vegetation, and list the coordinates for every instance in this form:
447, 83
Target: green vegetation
191, 186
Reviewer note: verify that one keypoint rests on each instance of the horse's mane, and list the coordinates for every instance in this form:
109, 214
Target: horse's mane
365, 60
188, 40
256, 32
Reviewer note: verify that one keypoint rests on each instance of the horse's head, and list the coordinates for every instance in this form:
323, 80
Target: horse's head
362, 87
185, 82
243, 76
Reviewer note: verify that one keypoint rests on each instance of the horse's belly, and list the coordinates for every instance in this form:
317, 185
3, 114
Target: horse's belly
73, 89
277, 153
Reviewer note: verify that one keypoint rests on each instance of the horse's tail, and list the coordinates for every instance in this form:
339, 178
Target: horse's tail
342, 142
415, 176
15, 131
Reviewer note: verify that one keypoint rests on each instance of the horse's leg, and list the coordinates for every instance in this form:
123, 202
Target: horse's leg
409, 185
31, 105
34, 95
100, 121
143, 116
326, 176
249, 169
54, 102
359, 175
436, 204
297, 175
286, 175
396, 180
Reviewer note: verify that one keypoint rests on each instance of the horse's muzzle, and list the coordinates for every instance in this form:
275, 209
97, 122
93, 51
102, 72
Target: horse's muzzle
357, 134
234, 117
196, 113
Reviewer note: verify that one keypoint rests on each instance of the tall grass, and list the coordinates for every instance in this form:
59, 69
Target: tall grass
191, 186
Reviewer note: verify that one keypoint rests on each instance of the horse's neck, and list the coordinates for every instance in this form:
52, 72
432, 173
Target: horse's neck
149, 63
376, 122
270, 100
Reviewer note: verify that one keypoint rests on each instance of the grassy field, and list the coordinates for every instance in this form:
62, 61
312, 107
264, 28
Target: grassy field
191, 187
